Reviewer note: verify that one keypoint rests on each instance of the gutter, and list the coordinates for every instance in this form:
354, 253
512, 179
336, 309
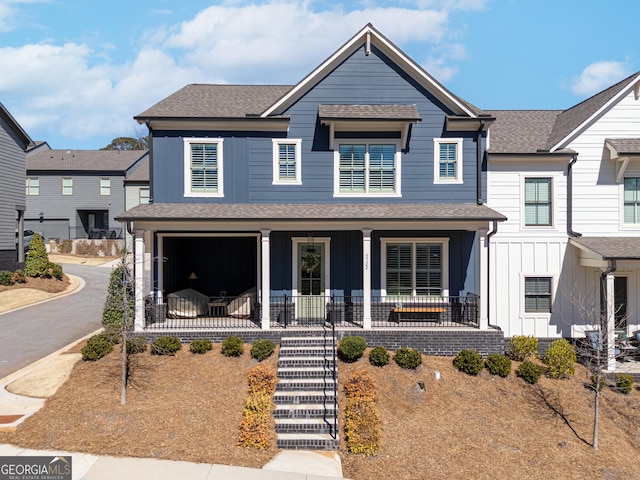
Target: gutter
570, 230
479, 163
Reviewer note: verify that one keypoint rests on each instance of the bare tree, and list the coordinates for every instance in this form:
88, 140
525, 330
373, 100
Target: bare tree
597, 351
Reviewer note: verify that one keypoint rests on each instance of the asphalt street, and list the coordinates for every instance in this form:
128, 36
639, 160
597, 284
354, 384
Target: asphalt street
28, 334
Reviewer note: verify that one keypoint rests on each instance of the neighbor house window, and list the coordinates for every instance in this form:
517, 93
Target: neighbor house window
537, 202
203, 167
367, 169
632, 200
33, 186
105, 186
144, 196
537, 294
67, 186
447, 160
415, 267
287, 162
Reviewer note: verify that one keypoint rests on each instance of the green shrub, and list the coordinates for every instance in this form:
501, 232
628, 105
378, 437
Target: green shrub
97, 347
529, 372
560, 359
469, 362
498, 364
136, 345
351, 348
37, 261
55, 270
114, 306
6, 278
408, 358
200, 346
19, 277
262, 348
167, 345
624, 382
522, 347
232, 347
379, 357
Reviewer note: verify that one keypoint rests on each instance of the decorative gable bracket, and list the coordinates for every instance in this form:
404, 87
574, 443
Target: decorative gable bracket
623, 151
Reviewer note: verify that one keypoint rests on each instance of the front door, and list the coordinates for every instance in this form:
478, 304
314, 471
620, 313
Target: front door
311, 283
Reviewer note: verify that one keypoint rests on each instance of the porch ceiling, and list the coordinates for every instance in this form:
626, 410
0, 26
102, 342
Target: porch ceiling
191, 212
596, 251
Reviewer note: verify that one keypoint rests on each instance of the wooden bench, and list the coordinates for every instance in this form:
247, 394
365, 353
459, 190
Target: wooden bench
432, 313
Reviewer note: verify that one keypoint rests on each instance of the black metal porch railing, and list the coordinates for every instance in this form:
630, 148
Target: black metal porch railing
287, 311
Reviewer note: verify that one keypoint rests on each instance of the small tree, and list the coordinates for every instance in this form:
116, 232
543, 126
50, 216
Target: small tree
37, 262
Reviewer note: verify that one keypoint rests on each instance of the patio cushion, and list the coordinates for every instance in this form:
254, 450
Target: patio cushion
240, 307
187, 303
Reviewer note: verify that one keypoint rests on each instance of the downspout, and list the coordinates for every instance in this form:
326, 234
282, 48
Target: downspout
150, 161
493, 231
479, 163
570, 231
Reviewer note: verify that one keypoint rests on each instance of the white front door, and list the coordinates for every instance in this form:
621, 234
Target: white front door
311, 279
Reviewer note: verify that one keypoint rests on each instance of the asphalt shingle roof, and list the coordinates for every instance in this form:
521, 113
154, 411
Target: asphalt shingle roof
83, 160
369, 112
381, 212
611, 247
521, 131
216, 101
625, 146
140, 173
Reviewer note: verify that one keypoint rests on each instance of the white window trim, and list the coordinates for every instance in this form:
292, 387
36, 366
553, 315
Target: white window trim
30, 187
436, 161
297, 142
70, 185
554, 202
625, 226
148, 197
554, 284
187, 167
383, 263
398, 171
107, 187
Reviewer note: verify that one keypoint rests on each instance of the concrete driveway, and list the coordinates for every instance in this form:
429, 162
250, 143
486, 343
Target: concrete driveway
30, 333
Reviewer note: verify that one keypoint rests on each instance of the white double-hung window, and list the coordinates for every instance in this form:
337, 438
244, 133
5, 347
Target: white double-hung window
447, 164
632, 201
367, 168
203, 167
287, 167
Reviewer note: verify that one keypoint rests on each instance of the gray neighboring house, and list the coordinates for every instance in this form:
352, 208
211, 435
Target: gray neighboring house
14, 142
75, 194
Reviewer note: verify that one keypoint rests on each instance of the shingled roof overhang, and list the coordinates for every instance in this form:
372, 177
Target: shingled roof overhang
623, 151
249, 123
604, 249
330, 214
369, 118
467, 124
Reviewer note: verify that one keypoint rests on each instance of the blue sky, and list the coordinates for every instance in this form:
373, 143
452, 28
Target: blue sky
75, 72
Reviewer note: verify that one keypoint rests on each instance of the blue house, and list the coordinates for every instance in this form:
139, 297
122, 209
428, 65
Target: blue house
355, 196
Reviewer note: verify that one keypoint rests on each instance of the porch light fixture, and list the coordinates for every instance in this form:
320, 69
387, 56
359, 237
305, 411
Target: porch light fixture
192, 277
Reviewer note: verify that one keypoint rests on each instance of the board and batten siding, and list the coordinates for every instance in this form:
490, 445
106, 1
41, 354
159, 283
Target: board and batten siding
12, 175
360, 79
57, 208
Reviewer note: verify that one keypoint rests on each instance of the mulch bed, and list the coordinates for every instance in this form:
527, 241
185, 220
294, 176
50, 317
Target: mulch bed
49, 285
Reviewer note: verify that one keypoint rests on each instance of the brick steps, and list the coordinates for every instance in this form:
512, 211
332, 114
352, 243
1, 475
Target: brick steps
305, 414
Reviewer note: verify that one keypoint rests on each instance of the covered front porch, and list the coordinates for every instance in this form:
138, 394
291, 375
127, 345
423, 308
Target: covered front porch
352, 266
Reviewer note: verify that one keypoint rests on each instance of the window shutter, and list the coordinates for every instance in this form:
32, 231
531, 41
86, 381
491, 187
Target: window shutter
287, 161
352, 168
399, 268
204, 167
382, 168
429, 269
448, 160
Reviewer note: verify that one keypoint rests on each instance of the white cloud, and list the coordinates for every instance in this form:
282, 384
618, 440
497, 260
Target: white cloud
10, 11
599, 76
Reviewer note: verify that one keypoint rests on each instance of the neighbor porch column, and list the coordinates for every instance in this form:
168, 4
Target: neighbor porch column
611, 323
483, 261
265, 279
138, 258
366, 278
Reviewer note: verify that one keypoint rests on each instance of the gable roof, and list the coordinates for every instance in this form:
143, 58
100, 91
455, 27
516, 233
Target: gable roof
368, 37
15, 127
530, 131
83, 160
139, 171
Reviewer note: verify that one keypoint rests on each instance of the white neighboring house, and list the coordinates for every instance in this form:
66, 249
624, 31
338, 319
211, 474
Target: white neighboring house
569, 183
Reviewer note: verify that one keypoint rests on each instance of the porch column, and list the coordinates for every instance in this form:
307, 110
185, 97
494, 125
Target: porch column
611, 323
366, 278
483, 272
265, 278
138, 258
